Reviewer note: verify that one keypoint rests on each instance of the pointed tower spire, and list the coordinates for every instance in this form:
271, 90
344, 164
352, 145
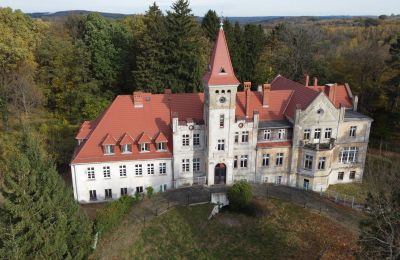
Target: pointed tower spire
220, 70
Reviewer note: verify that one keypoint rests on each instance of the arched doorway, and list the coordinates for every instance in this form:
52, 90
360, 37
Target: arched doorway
220, 174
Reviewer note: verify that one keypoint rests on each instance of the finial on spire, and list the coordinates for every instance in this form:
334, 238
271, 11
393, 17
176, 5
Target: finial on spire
221, 24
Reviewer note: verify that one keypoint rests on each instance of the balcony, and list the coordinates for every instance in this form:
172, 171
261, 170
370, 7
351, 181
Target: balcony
318, 146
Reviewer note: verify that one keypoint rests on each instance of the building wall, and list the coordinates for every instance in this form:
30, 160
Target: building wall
82, 184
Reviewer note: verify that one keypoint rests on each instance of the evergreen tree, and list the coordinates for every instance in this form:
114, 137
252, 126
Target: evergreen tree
39, 218
149, 74
185, 49
210, 24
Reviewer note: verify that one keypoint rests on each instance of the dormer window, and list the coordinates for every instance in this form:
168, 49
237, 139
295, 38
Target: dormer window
161, 146
108, 149
222, 70
145, 147
126, 148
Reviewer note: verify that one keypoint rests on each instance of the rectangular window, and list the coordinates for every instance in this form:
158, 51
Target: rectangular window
139, 189
185, 140
307, 133
122, 170
278, 180
108, 193
282, 134
349, 155
126, 148
279, 159
138, 170
352, 175
236, 137
145, 147
265, 161
221, 145
185, 165
161, 146
221, 121
109, 149
92, 195
150, 168
353, 130
196, 164
163, 187
308, 160
328, 133
340, 176
243, 161
317, 133
196, 139
124, 191
321, 163
90, 173
267, 134
235, 162
245, 136
106, 172
162, 168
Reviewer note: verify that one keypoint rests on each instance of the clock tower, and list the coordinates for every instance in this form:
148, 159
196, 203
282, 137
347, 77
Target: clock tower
220, 87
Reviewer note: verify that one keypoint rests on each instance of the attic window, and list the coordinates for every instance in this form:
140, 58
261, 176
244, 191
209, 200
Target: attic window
217, 92
126, 148
222, 70
145, 147
109, 149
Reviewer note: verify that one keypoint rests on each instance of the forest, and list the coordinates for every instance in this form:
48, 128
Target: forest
56, 73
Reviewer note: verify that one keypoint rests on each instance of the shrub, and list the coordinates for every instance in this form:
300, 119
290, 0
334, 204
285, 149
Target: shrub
113, 213
149, 192
240, 195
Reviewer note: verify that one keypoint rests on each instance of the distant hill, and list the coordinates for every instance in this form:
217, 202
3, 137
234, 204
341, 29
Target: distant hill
241, 20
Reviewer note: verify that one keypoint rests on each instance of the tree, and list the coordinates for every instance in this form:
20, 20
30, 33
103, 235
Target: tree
149, 74
210, 24
39, 218
240, 195
185, 49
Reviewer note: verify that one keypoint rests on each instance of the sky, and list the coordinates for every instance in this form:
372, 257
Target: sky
223, 7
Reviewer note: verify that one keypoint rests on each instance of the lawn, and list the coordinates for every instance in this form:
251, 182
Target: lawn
357, 190
284, 231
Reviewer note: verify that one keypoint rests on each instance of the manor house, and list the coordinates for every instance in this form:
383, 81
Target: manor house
287, 133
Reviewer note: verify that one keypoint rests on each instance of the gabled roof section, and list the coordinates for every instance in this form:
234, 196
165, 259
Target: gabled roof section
220, 71
337, 94
126, 139
275, 111
161, 138
84, 131
144, 139
109, 140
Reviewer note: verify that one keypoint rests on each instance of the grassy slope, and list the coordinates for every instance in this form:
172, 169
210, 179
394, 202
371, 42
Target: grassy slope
287, 231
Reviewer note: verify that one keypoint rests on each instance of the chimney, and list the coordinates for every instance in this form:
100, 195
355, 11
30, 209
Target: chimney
167, 91
138, 99
247, 101
259, 88
315, 81
247, 85
355, 103
307, 79
266, 94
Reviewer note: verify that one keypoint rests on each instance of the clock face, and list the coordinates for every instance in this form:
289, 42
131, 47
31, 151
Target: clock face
222, 100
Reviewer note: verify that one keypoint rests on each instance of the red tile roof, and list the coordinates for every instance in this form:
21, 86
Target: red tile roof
278, 102
220, 68
144, 139
126, 139
161, 138
339, 95
303, 95
109, 140
84, 130
274, 144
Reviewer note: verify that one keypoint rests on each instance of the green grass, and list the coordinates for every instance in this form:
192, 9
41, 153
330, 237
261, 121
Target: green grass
357, 190
286, 231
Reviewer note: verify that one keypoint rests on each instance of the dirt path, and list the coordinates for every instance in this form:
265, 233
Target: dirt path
116, 243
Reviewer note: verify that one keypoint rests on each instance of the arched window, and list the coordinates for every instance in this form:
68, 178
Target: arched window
217, 92
223, 91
